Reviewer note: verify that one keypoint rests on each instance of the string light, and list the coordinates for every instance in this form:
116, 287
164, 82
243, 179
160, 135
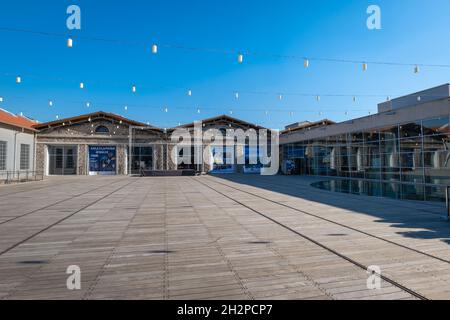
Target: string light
189, 92
69, 43
416, 69
240, 58
318, 98
18, 79
231, 111
126, 108
166, 109
154, 49
57, 117
1, 99
280, 97
88, 104
306, 63
364, 66
81, 85
236, 95
133, 89
354, 99
198, 110
50, 103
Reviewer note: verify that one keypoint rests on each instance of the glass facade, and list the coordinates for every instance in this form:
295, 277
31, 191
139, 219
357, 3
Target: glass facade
141, 159
412, 159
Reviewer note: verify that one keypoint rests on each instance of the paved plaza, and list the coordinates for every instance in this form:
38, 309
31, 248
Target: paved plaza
216, 237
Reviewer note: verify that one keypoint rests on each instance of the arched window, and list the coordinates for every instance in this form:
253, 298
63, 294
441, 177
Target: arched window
102, 130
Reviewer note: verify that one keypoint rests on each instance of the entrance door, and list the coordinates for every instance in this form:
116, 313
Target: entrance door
62, 160
141, 159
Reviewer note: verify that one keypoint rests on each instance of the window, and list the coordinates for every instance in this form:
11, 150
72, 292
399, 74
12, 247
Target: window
2, 155
24, 156
102, 130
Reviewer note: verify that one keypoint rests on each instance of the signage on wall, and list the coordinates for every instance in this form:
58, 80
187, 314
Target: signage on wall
102, 160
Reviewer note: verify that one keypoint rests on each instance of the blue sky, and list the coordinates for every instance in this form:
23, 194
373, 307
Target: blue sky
412, 32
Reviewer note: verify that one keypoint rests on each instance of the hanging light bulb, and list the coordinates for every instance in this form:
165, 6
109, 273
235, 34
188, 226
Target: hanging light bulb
18, 79
120, 121
231, 111
166, 109
88, 104
89, 119
81, 85
133, 89
1, 99
291, 113
419, 98
388, 98
236, 95
318, 98
267, 112
240, 58
126, 108
198, 110
280, 97
50, 103
354, 99
416, 69
306, 63
154, 49
189, 92
346, 112
364, 66
57, 117
69, 42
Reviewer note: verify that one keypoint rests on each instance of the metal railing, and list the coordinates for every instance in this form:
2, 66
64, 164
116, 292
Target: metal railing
7, 177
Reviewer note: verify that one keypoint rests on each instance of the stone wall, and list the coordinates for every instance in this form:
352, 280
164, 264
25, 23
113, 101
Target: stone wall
82, 157
40, 157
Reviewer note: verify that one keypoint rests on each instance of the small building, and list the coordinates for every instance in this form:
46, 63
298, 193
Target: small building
17, 146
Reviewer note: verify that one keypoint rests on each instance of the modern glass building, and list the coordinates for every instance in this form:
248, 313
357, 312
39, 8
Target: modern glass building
402, 151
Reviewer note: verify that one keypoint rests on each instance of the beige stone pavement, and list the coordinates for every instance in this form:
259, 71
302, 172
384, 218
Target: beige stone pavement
229, 237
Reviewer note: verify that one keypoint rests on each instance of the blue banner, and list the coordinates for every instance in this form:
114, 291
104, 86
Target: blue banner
102, 159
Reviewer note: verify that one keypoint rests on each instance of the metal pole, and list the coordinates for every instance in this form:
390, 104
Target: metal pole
447, 202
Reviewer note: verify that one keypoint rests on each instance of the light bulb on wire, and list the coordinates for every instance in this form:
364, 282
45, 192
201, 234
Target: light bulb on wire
306, 63
240, 58
69, 42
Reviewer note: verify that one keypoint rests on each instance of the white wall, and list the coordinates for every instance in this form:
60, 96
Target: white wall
16, 137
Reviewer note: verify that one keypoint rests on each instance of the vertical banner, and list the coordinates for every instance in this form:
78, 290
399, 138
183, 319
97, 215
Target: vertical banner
102, 160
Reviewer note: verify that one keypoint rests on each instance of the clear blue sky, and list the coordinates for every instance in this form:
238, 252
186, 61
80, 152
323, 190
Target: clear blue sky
413, 32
